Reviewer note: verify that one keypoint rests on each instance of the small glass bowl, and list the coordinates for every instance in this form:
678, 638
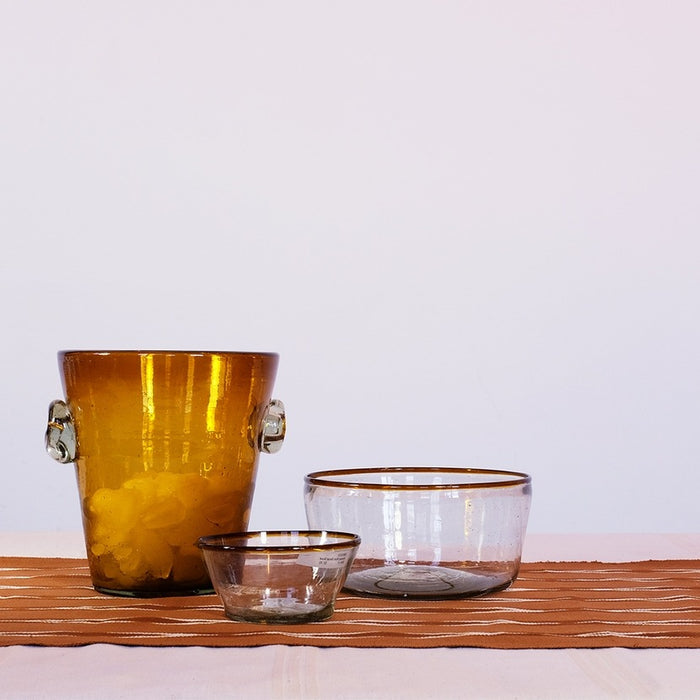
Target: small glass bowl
283, 577
427, 532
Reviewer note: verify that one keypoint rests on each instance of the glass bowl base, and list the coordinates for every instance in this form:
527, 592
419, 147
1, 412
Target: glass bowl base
285, 612
424, 582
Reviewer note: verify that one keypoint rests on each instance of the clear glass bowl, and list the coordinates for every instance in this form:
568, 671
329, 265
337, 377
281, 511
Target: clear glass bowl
427, 532
283, 577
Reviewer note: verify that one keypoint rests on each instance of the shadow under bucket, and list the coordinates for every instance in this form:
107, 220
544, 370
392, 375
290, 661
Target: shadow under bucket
165, 446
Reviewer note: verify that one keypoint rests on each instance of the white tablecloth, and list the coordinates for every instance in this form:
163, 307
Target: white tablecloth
309, 673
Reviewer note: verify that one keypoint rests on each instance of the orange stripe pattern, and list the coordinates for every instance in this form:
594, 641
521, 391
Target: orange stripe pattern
51, 602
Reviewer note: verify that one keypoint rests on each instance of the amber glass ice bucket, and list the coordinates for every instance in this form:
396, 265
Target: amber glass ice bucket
165, 446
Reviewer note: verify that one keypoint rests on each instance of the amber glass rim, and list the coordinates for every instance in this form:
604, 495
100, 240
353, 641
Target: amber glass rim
252, 353
218, 542
329, 478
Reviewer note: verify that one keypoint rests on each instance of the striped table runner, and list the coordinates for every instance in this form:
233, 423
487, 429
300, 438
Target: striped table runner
51, 602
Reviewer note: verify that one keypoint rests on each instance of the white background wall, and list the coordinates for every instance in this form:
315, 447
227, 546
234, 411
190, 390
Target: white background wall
470, 229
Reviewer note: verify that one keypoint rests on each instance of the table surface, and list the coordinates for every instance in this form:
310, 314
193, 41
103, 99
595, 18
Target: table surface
307, 673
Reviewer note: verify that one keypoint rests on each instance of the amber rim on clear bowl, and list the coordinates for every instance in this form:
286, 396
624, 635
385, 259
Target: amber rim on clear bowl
239, 541
370, 478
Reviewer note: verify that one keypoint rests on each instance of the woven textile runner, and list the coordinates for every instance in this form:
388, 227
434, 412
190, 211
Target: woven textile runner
51, 602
